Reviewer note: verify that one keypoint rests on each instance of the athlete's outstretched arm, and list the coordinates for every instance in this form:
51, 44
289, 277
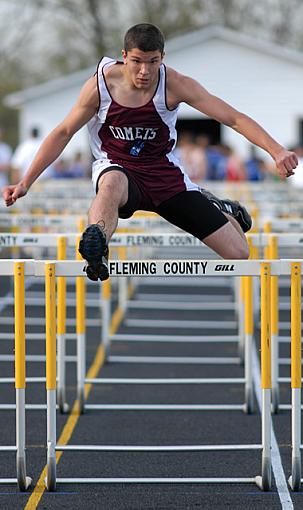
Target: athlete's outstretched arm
182, 88
53, 145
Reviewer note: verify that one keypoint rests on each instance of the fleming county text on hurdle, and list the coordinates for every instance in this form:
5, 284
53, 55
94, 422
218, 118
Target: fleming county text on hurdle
134, 268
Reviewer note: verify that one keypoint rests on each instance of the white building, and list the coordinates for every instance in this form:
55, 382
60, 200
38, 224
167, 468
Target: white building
259, 78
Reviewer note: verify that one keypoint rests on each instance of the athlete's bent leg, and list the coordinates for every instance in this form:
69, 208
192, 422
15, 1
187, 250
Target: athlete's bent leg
112, 195
103, 219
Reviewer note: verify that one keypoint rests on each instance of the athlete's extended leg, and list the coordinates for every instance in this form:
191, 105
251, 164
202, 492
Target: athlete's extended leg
229, 241
222, 241
103, 219
197, 214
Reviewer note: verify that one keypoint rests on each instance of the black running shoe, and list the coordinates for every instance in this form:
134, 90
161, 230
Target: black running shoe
235, 209
94, 249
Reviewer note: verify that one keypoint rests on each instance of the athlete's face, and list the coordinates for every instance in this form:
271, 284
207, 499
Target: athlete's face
142, 67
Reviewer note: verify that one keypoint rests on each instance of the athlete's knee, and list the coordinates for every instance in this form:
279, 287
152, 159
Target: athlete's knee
114, 180
241, 251
114, 183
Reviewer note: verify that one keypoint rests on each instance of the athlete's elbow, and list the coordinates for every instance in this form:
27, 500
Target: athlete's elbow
64, 132
237, 121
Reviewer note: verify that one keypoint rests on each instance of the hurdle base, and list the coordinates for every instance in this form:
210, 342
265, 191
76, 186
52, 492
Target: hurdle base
248, 406
50, 479
294, 485
264, 481
259, 482
23, 481
24, 486
295, 478
62, 404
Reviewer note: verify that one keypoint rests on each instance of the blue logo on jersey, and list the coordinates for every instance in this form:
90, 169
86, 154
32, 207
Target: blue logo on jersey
137, 148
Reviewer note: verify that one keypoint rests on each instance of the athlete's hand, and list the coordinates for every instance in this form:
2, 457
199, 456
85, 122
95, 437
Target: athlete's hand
12, 193
286, 162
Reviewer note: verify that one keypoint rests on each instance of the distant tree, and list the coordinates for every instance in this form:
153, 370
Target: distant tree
47, 38
85, 29
41, 39
8, 117
17, 32
277, 20
172, 16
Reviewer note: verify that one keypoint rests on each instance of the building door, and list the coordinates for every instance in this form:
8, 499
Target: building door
209, 127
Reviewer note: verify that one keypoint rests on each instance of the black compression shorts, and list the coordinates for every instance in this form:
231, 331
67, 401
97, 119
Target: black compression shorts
192, 212
189, 210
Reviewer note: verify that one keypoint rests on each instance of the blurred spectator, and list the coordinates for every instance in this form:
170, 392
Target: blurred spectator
234, 166
214, 157
61, 169
79, 167
24, 155
255, 166
192, 157
5, 159
221, 162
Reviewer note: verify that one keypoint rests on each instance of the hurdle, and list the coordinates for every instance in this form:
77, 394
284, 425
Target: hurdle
254, 241
81, 333
261, 269
45, 240
168, 240
18, 269
296, 375
156, 240
72, 220
282, 224
258, 241
39, 220
50, 240
61, 242
272, 242
61, 329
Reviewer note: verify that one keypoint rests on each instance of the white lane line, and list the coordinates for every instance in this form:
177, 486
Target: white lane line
281, 482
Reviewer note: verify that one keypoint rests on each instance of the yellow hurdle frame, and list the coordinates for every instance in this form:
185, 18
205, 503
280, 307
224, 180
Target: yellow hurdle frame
20, 374
296, 374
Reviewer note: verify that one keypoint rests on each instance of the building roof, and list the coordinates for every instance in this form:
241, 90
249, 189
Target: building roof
17, 99
237, 38
194, 38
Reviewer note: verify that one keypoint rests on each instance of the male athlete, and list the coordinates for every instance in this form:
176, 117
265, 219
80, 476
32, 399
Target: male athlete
131, 108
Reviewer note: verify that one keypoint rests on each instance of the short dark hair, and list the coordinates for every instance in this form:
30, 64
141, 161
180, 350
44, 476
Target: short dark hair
145, 37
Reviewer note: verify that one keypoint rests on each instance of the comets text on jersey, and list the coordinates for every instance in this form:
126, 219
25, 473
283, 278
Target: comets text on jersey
133, 133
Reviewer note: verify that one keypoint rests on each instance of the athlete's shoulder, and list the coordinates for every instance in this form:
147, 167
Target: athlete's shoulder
110, 66
174, 78
89, 94
176, 85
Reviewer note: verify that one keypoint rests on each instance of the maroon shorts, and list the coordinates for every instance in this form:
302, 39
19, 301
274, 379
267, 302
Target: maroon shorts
189, 210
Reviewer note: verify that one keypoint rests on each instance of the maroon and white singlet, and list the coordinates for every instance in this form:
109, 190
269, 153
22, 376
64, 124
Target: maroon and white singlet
140, 140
